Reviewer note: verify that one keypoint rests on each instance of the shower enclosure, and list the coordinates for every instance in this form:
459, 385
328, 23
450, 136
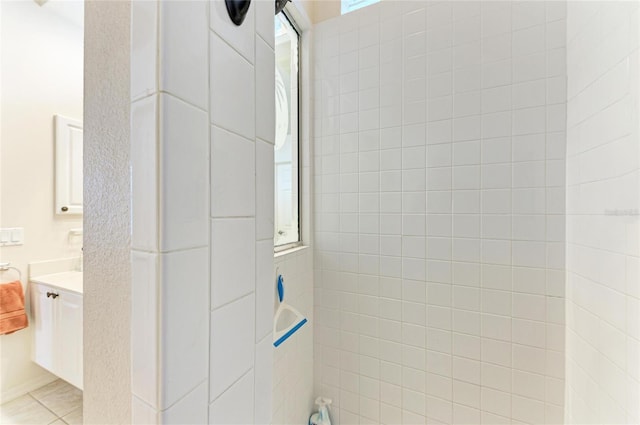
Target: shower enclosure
476, 239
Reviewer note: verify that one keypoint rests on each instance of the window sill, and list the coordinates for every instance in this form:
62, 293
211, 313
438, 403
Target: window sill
289, 251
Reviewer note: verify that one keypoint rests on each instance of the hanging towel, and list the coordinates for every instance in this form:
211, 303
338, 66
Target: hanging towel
13, 317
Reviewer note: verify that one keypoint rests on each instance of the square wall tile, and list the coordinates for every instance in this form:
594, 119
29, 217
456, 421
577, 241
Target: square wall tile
241, 38
232, 344
233, 191
232, 259
144, 154
184, 174
183, 47
184, 322
236, 405
232, 88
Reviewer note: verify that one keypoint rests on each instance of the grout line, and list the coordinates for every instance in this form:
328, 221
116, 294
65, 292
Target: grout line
233, 132
209, 225
452, 212
212, 31
242, 297
158, 214
160, 93
43, 405
245, 373
170, 251
188, 393
256, 39
231, 217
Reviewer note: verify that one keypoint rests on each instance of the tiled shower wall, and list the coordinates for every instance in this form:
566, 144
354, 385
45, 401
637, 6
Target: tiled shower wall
603, 199
439, 212
293, 393
202, 243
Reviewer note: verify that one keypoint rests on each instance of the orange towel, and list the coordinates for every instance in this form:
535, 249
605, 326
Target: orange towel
13, 317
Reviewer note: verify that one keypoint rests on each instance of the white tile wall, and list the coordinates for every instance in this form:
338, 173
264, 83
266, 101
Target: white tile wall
233, 184
184, 173
144, 340
293, 365
234, 354
232, 259
263, 376
231, 406
439, 158
264, 190
144, 181
439, 209
144, 33
202, 236
603, 290
182, 71
232, 77
185, 363
183, 412
265, 93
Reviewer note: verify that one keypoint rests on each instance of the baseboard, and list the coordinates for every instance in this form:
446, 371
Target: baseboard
26, 387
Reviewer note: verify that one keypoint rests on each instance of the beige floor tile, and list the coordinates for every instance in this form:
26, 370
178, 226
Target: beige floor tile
59, 397
25, 410
58, 422
74, 418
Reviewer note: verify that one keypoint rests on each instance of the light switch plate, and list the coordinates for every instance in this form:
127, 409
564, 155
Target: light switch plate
12, 236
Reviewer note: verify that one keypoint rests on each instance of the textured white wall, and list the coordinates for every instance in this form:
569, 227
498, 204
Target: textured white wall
603, 200
439, 201
107, 212
41, 76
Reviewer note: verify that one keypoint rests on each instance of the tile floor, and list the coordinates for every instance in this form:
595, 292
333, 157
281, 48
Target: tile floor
57, 403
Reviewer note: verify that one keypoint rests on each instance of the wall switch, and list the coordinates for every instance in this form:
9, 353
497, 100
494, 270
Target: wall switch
12, 236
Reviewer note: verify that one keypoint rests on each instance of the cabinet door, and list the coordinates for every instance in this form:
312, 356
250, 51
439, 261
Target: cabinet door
68, 331
42, 316
69, 140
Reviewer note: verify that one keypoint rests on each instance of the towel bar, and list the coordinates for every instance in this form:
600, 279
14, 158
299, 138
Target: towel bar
7, 266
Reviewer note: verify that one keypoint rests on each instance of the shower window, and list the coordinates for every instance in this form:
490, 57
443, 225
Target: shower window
286, 217
351, 5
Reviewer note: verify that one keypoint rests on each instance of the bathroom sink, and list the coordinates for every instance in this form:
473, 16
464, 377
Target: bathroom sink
70, 281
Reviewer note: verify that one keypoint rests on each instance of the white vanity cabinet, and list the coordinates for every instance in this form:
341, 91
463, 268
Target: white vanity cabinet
57, 331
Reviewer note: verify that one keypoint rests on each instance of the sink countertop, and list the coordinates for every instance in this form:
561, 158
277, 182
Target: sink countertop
69, 281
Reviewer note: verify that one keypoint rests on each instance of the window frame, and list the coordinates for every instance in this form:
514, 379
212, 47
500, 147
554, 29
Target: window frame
345, 12
293, 245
